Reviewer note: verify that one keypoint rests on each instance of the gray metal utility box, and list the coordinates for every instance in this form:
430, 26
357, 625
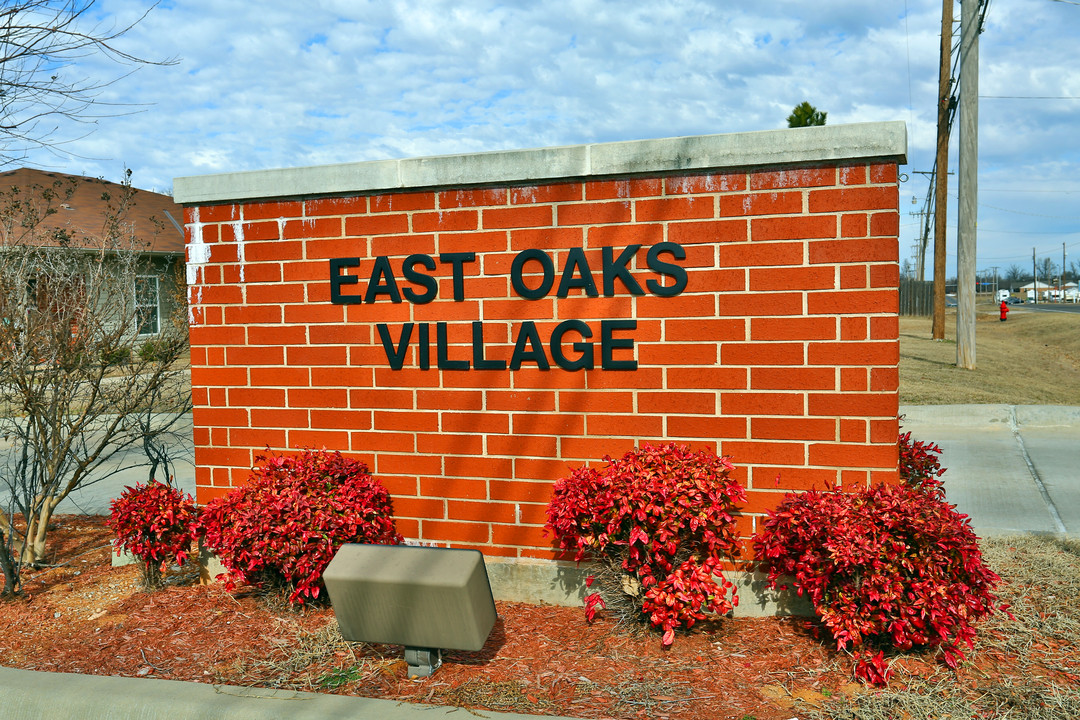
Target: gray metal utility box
414, 596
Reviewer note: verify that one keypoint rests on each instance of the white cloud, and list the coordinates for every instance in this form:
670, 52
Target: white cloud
279, 83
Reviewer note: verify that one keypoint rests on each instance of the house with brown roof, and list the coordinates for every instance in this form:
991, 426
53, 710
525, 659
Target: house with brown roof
50, 208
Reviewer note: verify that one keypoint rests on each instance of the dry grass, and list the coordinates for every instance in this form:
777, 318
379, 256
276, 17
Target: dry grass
1031, 359
1022, 667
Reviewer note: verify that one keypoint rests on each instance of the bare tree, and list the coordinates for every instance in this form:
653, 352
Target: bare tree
81, 381
1015, 276
41, 43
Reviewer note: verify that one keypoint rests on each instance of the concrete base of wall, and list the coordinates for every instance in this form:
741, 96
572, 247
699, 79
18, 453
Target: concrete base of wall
547, 582
560, 583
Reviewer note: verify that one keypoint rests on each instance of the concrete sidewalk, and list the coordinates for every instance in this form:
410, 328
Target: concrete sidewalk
1012, 468
28, 695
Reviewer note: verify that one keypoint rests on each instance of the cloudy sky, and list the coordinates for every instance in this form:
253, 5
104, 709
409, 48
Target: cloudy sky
280, 83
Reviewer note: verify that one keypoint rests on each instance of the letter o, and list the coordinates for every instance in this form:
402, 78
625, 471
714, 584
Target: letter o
518, 281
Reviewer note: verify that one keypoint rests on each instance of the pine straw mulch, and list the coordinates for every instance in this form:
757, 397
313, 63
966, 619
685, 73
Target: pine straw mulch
82, 615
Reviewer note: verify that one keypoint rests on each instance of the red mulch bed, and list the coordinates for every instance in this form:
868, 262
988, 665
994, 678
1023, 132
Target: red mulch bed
85, 616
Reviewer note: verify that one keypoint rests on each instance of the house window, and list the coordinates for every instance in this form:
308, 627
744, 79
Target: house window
146, 304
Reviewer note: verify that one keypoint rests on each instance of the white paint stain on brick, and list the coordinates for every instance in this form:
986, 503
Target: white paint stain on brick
238, 234
198, 254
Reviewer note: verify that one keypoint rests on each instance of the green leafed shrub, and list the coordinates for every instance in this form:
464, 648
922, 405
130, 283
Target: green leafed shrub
660, 521
155, 523
887, 568
283, 527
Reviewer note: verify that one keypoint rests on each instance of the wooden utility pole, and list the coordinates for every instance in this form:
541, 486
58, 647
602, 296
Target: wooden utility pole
968, 188
941, 173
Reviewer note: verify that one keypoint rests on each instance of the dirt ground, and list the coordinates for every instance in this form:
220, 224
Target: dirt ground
82, 615
1033, 358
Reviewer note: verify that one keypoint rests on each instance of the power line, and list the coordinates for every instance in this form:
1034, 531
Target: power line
1029, 97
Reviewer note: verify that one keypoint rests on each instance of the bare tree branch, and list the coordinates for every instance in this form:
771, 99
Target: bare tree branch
41, 44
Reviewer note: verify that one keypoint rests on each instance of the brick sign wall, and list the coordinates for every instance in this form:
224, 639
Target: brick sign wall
474, 339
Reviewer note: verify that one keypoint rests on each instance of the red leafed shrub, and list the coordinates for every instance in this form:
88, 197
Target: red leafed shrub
283, 527
659, 521
155, 523
919, 465
887, 567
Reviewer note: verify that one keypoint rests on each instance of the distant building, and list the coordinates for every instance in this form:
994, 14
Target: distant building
1068, 292
79, 214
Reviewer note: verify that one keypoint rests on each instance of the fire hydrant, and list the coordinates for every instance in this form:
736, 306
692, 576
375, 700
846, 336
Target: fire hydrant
1004, 310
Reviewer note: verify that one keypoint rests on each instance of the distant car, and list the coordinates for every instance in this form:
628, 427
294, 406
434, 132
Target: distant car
1013, 300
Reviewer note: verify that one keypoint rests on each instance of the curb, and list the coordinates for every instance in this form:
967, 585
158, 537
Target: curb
990, 415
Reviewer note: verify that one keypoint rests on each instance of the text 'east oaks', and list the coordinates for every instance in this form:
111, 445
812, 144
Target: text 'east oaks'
532, 265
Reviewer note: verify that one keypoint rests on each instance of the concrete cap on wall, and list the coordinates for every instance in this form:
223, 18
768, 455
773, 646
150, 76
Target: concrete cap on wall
701, 153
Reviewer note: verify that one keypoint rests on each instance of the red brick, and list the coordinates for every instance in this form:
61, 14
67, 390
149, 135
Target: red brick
853, 455
852, 174
617, 189
335, 206
219, 417
792, 378
853, 430
229, 377
668, 402
279, 376
527, 468
792, 178
853, 380
846, 302
708, 232
311, 228
847, 251
677, 329
626, 425
517, 217
761, 254
792, 429
455, 531
793, 478
697, 426
768, 229
674, 208
558, 192
852, 277
853, 353
754, 452
545, 446
446, 221
252, 314
852, 404
683, 305
849, 199
448, 444
761, 304
311, 355
598, 213
883, 173
708, 183
277, 335
406, 421
853, 328
761, 403
677, 354
272, 294
797, 278
477, 467
884, 379
343, 419
720, 378
330, 439
481, 511
620, 236
885, 223
510, 400
884, 276
752, 353
792, 328
762, 203
383, 224
256, 397
854, 225
403, 202
578, 402
472, 198
883, 431
212, 213
273, 210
